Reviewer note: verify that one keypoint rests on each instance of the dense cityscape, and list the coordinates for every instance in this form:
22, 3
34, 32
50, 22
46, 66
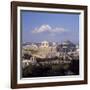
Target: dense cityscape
50, 59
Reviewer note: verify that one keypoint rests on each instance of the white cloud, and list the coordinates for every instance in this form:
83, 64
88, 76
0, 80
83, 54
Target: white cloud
49, 29
42, 28
59, 30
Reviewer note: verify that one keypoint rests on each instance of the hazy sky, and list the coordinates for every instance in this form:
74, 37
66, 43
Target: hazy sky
58, 27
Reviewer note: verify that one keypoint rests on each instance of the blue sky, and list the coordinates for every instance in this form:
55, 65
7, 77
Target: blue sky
57, 27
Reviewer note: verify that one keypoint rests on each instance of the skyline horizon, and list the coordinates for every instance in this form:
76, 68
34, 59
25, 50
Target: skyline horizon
51, 42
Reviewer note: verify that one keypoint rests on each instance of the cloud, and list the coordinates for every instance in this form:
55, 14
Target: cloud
49, 29
42, 28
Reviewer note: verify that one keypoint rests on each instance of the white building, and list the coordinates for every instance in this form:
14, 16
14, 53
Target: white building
44, 44
34, 46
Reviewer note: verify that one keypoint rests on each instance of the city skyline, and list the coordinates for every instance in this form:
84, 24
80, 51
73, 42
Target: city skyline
52, 27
